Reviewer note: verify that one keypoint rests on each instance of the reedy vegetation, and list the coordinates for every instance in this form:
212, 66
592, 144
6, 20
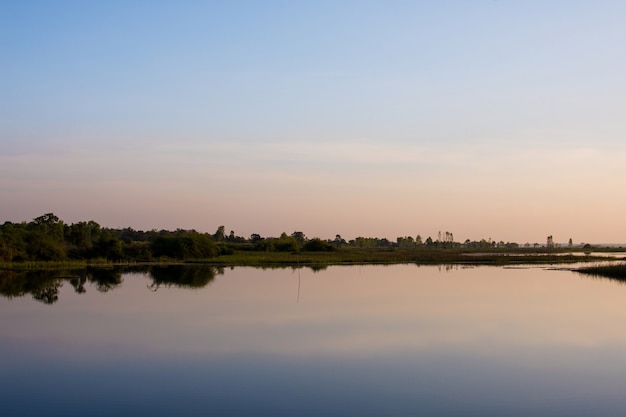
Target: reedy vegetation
614, 271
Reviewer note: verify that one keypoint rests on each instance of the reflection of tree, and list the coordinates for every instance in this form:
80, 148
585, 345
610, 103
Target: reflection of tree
48, 294
78, 282
42, 285
105, 279
183, 276
447, 267
10, 284
318, 268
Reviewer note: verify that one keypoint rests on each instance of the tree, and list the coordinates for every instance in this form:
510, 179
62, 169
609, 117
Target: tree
266, 245
83, 234
318, 245
48, 225
299, 237
405, 242
12, 241
219, 234
6, 253
109, 246
188, 245
339, 241
44, 239
286, 243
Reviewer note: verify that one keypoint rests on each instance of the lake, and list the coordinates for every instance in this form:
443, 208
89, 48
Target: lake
400, 340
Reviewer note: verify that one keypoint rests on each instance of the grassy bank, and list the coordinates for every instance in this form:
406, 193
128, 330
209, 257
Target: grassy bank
342, 256
377, 256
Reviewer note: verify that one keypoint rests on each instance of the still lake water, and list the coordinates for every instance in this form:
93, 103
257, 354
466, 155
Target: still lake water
401, 340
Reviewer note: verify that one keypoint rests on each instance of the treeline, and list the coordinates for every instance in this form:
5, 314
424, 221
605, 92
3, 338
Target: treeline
47, 238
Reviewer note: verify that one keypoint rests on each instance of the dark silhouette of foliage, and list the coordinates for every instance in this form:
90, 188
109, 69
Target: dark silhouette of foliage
265, 245
220, 234
318, 245
78, 282
43, 286
48, 294
184, 245
109, 246
616, 272
105, 279
286, 243
193, 277
47, 238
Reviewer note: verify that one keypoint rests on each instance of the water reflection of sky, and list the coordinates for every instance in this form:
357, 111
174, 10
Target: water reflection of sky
395, 340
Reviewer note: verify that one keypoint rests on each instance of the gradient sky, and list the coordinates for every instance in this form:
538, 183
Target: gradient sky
488, 119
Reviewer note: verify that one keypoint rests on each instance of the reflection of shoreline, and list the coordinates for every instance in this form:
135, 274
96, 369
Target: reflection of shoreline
613, 272
45, 285
183, 276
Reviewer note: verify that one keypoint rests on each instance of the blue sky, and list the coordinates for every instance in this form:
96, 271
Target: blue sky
490, 119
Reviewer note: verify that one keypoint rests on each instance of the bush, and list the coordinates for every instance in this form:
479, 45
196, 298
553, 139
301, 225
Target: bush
318, 245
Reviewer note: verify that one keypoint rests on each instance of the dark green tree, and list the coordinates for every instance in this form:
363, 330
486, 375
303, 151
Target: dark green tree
44, 240
318, 245
219, 234
286, 243
190, 245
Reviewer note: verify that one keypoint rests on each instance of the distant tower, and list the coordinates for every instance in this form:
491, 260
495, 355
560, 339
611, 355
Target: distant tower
550, 243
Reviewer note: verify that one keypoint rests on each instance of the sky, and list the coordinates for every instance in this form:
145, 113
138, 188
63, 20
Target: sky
501, 120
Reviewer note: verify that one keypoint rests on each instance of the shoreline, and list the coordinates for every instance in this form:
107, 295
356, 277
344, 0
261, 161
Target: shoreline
339, 257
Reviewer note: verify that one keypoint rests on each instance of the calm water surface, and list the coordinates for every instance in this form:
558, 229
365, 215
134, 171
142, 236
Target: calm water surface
395, 340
